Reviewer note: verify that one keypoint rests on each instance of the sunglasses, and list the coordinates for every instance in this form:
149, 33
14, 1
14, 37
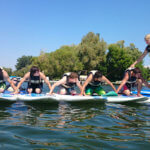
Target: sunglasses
15, 80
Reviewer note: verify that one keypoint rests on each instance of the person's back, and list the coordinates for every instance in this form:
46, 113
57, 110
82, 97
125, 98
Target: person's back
147, 50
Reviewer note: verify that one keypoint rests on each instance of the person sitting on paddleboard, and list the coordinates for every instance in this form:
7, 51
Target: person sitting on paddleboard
147, 50
67, 84
131, 78
35, 83
5, 77
93, 84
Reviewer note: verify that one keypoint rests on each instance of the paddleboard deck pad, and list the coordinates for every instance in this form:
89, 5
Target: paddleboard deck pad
143, 92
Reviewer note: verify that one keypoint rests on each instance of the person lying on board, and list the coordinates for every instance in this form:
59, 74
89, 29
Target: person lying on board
93, 84
147, 50
67, 84
35, 84
132, 78
5, 77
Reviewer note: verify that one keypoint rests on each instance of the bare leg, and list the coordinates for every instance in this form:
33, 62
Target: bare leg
30, 90
38, 91
127, 92
1, 90
63, 91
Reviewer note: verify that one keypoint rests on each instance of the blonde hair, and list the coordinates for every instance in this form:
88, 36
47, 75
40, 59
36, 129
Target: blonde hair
147, 36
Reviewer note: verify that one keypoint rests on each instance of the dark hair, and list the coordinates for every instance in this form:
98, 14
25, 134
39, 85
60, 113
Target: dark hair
73, 75
136, 70
1, 72
33, 70
98, 74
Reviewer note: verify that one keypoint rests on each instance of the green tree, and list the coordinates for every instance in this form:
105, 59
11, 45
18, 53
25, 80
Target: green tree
22, 71
117, 62
23, 62
92, 52
55, 64
119, 58
8, 70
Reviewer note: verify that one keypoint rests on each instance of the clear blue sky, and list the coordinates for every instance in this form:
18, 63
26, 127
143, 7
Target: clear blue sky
27, 26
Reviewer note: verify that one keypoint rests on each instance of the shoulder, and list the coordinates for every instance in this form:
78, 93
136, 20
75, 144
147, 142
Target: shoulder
4, 73
104, 78
42, 74
27, 75
90, 77
64, 78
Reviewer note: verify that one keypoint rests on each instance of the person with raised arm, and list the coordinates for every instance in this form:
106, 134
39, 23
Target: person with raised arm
147, 50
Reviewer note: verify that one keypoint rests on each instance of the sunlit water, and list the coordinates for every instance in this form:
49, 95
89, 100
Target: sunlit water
70, 126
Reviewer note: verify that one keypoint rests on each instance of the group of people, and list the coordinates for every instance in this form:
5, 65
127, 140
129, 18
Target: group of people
92, 85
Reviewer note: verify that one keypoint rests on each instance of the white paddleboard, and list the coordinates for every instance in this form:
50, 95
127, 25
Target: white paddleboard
148, 99
70, 98
110, 99
34, 97
8, 97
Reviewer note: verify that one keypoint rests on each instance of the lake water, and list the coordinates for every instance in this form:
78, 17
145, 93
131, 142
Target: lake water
74, 126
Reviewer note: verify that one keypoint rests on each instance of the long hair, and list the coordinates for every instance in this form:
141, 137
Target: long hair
33, 70
137, 71
1, 73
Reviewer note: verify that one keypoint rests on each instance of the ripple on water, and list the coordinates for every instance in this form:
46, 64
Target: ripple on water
74, 126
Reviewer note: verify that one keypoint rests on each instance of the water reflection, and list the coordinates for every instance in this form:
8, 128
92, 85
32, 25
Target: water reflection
90, 124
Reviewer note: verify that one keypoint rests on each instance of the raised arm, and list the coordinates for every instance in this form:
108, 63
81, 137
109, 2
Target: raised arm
108, 82
139, 59
45, 79
62, 81
123, 82
88, 80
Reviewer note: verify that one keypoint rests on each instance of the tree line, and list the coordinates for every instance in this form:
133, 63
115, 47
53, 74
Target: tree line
93, 53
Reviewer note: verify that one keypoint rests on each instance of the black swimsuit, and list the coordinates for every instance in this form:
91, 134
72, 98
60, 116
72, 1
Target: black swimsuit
148, 48
2, 78
34, 83
131, 81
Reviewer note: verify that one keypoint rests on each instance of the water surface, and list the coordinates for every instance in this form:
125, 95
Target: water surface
79, 126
